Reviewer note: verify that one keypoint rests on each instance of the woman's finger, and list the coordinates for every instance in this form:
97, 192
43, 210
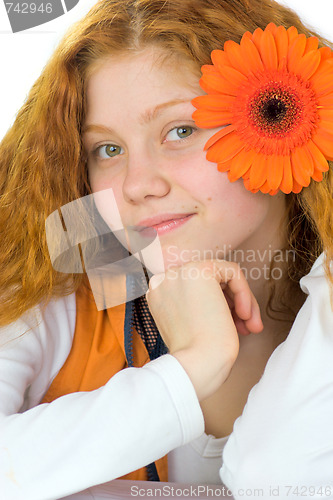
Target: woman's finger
239, 293
253, 325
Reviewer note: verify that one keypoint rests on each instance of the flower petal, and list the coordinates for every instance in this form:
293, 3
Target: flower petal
232, 177
233, 76
258, 171
323, 82
326, 58
251, 54
319, 159
215, 83
224, 167
325, 52
214, 102
326, 101
209, 68
324, 68
324, 141
241, 163
292, 34
317, 175
268, 50
296, 51
221, 133
256, 37
297, 188
274, 171
299, 168
282, 43
287, 177
325, 65
220, 59
311, 44
325, 127
265, 188
225, 149
211, 119
326, 117
235, 55
247, 186
248, 35
307, 65
306, 158
272, 28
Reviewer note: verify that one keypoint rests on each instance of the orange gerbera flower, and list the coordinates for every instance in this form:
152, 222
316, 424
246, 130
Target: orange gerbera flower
273, 96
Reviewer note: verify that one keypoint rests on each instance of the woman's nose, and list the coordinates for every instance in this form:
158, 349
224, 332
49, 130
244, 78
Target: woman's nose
144, 178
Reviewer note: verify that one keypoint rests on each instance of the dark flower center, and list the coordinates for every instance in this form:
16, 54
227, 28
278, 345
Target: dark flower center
274, 109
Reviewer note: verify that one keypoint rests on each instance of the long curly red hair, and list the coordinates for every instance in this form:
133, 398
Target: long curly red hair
42, 163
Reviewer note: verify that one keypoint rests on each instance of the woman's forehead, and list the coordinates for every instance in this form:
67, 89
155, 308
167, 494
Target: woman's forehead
148, 59
136, 82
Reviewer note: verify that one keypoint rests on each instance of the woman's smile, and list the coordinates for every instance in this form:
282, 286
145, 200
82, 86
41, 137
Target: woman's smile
163, 224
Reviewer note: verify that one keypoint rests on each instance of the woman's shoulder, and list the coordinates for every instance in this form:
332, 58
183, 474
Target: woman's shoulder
311, 334
319, 303
45, 321
287, 418
33, 349
316, 276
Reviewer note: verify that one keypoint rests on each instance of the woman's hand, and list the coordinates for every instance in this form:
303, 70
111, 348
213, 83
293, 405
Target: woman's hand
195, 319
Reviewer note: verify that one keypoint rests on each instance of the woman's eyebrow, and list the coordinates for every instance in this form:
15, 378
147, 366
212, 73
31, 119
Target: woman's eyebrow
146, 117
152, 114
97, 128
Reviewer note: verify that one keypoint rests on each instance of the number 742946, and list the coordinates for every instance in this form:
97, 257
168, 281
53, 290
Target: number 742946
29, 8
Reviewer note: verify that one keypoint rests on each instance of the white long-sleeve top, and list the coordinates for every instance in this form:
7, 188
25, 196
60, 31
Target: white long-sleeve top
87, 438
52, 450
283, 441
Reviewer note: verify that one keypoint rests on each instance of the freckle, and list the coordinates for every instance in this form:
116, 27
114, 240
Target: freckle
209, 199
196, 206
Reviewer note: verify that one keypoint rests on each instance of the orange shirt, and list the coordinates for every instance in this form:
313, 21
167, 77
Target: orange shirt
96, 355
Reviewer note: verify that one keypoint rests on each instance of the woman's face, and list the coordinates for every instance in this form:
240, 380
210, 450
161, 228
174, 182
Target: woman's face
142, 142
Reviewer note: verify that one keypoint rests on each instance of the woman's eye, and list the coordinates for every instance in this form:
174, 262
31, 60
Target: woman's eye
108, 151
179, 133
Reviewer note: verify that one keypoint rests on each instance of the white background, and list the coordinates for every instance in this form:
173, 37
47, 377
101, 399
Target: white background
23, 55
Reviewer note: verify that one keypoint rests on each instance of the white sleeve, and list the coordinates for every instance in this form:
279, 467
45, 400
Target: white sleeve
83, 439
284, 437
197, 462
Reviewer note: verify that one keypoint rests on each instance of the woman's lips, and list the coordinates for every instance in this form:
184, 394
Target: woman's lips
166, 226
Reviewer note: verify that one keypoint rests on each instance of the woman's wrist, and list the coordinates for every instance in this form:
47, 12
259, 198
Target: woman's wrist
206, 370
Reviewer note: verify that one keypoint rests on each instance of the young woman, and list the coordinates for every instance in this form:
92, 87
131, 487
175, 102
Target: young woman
91, 394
